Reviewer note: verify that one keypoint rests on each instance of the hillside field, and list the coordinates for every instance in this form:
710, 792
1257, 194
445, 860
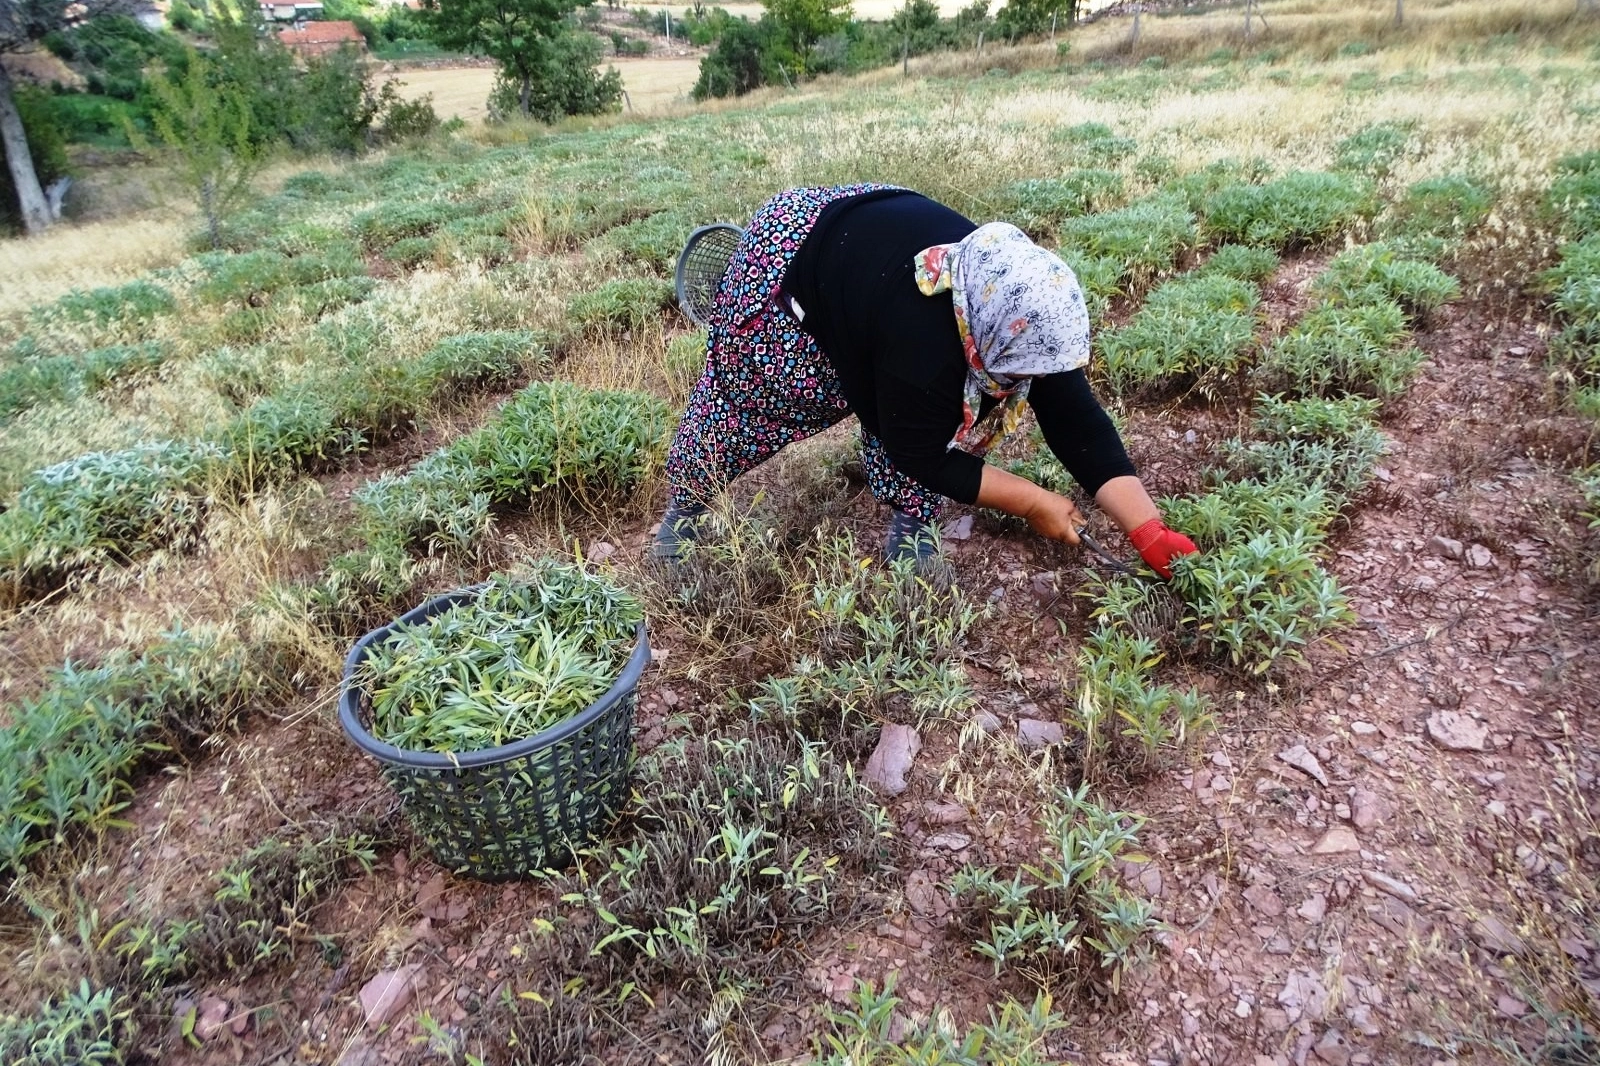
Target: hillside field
1328, 797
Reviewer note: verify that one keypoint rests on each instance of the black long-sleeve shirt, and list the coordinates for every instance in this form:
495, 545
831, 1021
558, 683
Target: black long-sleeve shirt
899, 356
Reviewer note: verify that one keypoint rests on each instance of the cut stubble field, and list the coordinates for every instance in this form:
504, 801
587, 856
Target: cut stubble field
1333, 802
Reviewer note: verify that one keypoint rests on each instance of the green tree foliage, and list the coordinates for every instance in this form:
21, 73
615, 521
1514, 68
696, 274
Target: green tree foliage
801, 24
916, 23
206, 122
528, 39
564, 81
1029, 18
735, 67
112, 52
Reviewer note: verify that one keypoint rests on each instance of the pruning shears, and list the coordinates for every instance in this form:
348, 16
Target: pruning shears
1088, 541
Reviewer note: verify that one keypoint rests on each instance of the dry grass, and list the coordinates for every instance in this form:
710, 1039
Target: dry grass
68, 256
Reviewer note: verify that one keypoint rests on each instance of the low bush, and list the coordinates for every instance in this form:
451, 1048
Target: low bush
1067, 918
1100, 278
238, 277
1243, 262
1040, 205
1376, 150
103, 507
551, 435
1574, 196
1300, 209
325, 297
1448, 208
69, 755
133, 303
57, 379
1261, 600
84, 1027
357, 591
1192, 332
492, 359
382, 226
654, 241
1574, 285
1094, 143
1375, 274
1131, 725
624, 304
1355, 350
1146, 237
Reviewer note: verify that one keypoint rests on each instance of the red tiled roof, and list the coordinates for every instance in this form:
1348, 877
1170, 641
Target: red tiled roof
323, 33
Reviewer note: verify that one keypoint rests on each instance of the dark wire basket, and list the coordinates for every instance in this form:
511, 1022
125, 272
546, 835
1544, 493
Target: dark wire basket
503, 813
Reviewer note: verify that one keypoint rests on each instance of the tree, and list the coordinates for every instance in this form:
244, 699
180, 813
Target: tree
1025, 18
802, 23
514, 33
734, 66
23, 22
206, 123
565, 81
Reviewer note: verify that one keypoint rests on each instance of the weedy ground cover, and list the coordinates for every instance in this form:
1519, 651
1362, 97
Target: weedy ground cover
360, 300
524, 654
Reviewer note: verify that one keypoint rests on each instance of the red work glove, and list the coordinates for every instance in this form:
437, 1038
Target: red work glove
1158, 545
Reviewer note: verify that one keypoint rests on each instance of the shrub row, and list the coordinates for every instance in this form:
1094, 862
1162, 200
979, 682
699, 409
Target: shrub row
70, 754
1295, 211
551, 435
31, 382
1354, 341
110, 507
1192, 331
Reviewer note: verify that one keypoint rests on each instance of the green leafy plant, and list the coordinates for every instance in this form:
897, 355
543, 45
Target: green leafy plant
1040, 205
1448, 207
522, 655
1130, 724
1574, 196
550, 435
135, 302
84, 1027
627, 303
1094, 143
861, 1035
1357, 349
1192, 331
1299, 209
69, 755
1146, 237
1243, 262
104, 507
1376, 150
55, 379
1375, 273
1068, 915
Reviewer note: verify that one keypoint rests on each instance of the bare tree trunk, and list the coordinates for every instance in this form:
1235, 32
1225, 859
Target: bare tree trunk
30, 197
1134, 38
1399, 12
526, 95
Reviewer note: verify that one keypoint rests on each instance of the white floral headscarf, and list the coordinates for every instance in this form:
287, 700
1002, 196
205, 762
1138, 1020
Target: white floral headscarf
1020, 314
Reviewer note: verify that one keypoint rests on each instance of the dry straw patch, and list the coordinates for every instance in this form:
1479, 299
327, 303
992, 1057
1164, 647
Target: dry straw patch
88, 256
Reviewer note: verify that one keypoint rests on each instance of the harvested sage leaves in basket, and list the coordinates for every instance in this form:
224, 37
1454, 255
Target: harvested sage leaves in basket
525, 654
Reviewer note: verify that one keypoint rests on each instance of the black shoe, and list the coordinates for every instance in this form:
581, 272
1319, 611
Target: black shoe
909, 538
680, 525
